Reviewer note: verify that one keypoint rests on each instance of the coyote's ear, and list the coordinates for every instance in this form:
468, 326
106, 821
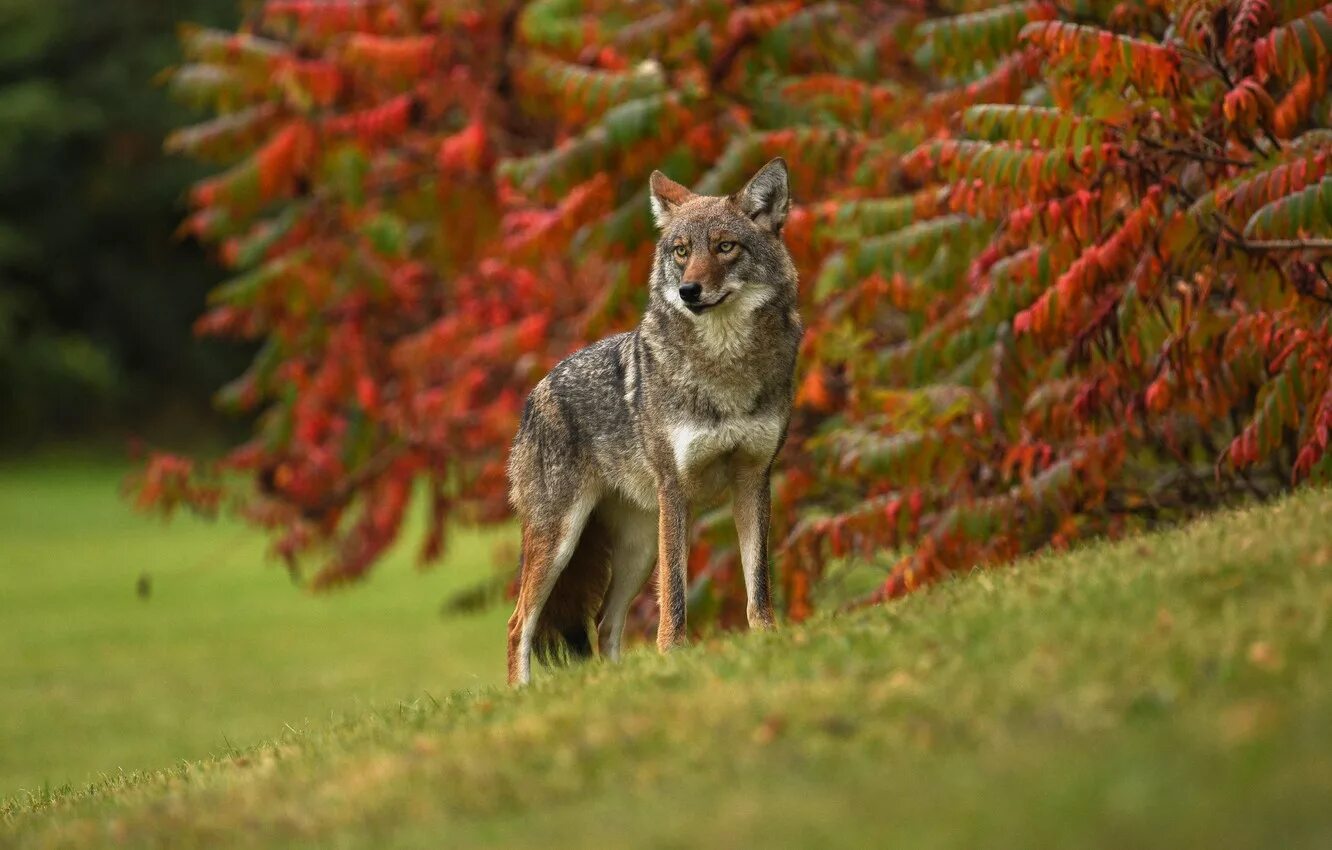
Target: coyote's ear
666, 196
766, 198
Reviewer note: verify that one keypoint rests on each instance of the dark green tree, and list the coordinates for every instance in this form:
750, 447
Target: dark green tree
96, 297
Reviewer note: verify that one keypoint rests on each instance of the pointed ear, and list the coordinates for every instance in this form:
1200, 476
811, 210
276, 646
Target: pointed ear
666, 196
766, 198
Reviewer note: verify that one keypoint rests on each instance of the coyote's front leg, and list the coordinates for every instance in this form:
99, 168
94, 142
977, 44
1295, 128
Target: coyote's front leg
672, 560
752, 507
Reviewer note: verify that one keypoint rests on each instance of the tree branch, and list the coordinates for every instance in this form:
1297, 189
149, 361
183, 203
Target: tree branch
1277, 245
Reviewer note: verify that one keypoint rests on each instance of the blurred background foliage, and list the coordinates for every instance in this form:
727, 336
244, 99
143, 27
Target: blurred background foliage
96, 297
1058, 279
1056, 262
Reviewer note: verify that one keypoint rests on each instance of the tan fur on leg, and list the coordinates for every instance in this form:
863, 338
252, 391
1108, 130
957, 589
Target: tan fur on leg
752, 504
672, 575
548, 549
538, 550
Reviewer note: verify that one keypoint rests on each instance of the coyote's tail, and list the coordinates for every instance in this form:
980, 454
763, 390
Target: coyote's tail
568, 621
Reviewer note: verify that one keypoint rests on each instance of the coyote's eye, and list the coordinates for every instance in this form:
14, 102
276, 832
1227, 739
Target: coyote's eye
682, 251
725, 247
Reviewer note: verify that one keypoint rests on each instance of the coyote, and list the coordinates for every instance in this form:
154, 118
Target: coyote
623, 438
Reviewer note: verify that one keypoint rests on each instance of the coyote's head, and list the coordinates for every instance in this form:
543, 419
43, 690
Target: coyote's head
722, 253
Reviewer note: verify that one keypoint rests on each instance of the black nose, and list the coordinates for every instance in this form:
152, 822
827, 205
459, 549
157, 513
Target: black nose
690, 292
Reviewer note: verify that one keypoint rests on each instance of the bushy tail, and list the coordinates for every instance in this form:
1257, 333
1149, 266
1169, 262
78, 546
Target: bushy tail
567, 623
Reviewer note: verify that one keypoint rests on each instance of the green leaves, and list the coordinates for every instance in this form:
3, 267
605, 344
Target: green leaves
1307, 212
227, 48
1035, 172
651, 118
1301, 46
253, 248
1046, 126
206, 84
962, 41
1109, 57
387, 232
225, 137
1003, 294
948, 240
551, 85
875, 216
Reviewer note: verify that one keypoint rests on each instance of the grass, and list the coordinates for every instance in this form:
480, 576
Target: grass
223, 652
1172, 690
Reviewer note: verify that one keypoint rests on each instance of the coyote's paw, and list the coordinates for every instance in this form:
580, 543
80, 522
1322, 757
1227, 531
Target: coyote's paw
666, 644
761, 619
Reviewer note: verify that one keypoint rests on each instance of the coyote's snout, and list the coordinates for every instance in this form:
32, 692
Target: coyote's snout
624, 438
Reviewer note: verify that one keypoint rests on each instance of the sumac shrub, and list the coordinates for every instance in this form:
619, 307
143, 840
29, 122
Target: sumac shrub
1062, 261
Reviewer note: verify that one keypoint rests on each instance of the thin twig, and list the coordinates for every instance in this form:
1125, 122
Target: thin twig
1278, 245
1193, 154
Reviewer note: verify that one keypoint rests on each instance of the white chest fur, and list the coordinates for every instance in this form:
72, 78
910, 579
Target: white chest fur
697, 446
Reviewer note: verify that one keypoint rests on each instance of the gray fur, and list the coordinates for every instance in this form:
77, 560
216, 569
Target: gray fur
648, 425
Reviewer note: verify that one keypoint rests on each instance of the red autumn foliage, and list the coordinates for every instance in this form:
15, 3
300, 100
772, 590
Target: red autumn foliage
1062, 262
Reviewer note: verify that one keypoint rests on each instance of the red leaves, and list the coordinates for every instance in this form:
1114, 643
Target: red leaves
466, 152
223, 136
284, 159
1026, 458
358, 387
1109, 57
168, 481
1057, 310
529, 230
1251, 18
1004, 84
846, 95
1249, 106
1283, 401
1007, 303
374, 124
1297, 48
1017, 169
394, 60
271, 171
758, 19
1298, 103
321, 17
1318, 432
814, 392
1078, 213
885, 521
1246, 197
1159, 395
319, 80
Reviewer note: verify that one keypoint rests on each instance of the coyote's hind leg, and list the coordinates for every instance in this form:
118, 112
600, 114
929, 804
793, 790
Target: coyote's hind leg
547, 547
633, 552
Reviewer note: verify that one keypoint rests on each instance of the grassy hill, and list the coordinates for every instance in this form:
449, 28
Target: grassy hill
221, 651
1172, 690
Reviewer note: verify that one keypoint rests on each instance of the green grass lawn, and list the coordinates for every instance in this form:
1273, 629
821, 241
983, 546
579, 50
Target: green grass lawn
223, 652
1172, 690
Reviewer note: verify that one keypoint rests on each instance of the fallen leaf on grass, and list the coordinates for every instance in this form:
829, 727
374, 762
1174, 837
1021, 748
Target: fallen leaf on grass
769, 729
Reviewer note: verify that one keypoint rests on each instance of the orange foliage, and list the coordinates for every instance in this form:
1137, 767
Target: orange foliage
1038, 304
